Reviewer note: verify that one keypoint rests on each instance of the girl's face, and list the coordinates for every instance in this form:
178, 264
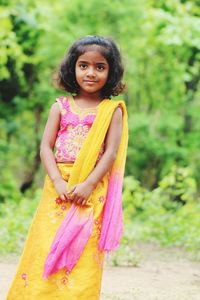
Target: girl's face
91, 71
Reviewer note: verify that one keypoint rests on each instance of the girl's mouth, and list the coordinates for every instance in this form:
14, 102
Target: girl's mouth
90, 81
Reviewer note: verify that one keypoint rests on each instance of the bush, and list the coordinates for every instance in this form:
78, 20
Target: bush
15, 220
169, 214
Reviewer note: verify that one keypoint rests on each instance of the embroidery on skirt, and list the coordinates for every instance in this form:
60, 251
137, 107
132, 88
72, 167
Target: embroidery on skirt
60, 207
63, 279
97, 229
24, 277
101, 199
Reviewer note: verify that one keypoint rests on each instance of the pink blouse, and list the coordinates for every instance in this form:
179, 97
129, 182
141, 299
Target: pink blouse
75, 124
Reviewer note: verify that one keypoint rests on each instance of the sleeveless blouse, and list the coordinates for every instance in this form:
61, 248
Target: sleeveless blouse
75, 124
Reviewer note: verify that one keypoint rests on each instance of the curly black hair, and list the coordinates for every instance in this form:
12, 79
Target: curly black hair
65, 76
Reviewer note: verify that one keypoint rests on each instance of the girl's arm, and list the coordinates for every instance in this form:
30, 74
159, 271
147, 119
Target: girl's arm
46, 150
81, 192
112, 141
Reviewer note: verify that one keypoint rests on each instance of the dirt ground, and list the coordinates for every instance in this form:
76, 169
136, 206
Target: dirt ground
162, 274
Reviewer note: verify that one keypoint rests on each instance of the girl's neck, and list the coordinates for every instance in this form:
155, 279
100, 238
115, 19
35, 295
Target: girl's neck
88, 98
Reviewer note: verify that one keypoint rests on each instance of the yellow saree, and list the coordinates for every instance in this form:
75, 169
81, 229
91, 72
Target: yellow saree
50, 267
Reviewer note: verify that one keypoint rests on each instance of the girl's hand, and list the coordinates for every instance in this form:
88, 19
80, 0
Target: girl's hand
80, 193
61, 187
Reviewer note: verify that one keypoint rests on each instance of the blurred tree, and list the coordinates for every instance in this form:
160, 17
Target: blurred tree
160, 44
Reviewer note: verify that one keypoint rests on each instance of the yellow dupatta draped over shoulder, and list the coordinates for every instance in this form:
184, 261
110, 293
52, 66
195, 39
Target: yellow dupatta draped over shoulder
76, 228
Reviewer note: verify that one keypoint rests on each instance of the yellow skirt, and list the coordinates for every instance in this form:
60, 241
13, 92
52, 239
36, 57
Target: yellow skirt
84, 281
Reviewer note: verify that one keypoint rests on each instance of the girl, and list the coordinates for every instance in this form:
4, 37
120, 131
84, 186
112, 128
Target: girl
79, 216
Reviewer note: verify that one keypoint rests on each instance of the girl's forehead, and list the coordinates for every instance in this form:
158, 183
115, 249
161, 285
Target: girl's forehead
93, 53
92, 56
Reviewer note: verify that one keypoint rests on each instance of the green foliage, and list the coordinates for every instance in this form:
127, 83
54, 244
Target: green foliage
160, 46
157, 141
9, 46
168, 214
15, 219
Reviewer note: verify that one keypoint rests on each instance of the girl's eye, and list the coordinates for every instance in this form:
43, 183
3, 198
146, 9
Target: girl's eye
83, 66
100, 68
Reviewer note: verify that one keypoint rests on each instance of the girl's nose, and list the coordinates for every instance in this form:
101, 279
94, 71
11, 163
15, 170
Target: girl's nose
91, 72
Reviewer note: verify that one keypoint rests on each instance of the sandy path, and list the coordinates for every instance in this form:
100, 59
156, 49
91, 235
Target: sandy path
163, 274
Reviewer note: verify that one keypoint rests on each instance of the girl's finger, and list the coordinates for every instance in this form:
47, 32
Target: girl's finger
70, 198
73, 197
62, 197
83, 202
66, 196
79, 200
76, 198
71, 190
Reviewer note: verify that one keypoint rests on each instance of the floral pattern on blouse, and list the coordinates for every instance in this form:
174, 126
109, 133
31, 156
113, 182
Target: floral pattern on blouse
75, 124
76, 137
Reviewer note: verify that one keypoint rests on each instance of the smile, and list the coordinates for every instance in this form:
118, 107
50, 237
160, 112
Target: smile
90, 81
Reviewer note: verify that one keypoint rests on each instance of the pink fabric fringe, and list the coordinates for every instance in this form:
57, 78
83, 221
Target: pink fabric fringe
70, 240
112, 224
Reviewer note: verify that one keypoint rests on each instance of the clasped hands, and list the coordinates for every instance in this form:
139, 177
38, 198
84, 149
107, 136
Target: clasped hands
78, 194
